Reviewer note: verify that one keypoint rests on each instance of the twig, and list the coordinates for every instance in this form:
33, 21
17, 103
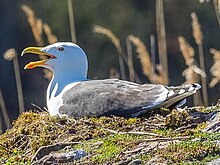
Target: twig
71, 19
162, 139
4, 111
130, 60
39, 108
133, 133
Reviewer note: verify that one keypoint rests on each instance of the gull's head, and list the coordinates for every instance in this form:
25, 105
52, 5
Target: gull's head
61, 57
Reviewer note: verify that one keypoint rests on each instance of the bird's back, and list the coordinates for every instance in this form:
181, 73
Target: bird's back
120, 98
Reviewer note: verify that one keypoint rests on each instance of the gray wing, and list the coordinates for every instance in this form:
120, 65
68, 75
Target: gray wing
115, 97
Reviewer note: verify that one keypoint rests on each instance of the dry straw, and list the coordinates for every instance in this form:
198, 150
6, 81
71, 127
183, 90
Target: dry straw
35, 23
50, 36
215, 69
38, 27
192, 72
197, 34
4, 111
187, 51
11, 54
130, 59
217, 10
143, 55
71, 19
116, 42
145, 60
161, 35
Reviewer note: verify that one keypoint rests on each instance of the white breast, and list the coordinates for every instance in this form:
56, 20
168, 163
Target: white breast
55, 102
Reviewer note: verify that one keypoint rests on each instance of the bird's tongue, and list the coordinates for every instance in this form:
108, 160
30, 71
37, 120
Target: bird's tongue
34, 64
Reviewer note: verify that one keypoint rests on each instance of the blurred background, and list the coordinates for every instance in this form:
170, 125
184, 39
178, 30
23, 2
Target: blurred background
164, 27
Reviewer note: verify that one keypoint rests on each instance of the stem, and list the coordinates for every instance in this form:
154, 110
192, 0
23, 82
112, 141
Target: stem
204, 83
130, 60
216, 4
4, 111
18, 83
152, 49
71, 19
162, 38
121, 64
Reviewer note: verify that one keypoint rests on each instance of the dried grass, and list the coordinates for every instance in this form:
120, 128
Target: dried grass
215, 69
142, 54
161, 37
145, 60
50, 36
187, 50
111, 36
116, 42
38, 27
197, 34
11, 54
4, 111
35, 23
114, 73
216, 4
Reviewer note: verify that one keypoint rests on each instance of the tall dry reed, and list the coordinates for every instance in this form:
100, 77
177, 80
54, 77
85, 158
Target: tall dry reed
4, 111
35, 23
215, 69
197, 34
161, 33
9, 55
216, 4
71, 20
116, 42
145, 60
130, 59
38, 27
192, 72
50, 36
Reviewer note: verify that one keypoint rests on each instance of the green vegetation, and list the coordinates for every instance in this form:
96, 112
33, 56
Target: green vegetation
111, 139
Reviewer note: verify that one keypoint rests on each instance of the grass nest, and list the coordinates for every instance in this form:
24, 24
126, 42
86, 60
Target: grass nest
113, 139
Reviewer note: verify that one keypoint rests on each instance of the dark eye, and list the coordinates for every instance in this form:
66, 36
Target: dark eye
60, 48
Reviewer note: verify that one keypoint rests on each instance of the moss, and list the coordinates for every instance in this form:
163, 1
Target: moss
189, 151
33, 130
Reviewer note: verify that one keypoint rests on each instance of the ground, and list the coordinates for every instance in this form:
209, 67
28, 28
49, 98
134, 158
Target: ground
186, 136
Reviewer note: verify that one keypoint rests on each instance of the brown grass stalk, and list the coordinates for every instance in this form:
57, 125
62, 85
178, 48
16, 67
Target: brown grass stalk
145, 60
50, 36
187, 50
130, 59
35, 23
38, 27
191, 73
216, 4
143, 55
161, 33
215, 69
116, 42
72, 21
11, 54
197, 34
4, 111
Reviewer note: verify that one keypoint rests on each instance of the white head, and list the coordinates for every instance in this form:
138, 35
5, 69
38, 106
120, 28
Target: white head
64, 59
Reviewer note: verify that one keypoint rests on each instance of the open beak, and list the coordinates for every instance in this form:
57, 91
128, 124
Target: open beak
38, 51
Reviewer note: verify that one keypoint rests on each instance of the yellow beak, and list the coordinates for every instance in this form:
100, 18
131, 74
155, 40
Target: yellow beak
38, 51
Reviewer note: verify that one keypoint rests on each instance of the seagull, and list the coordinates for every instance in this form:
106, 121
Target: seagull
70, 93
